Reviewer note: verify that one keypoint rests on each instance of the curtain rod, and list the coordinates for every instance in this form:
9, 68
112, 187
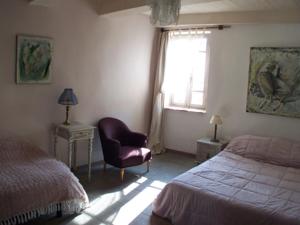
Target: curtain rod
219, 27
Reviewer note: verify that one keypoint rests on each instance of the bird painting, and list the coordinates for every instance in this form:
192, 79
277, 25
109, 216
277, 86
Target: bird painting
274, 81
265, 81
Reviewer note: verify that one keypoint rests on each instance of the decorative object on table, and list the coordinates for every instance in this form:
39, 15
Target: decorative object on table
122, 147
73, 133
34, 59
67, 98
274, 81
207, 148
216, 120
164, 12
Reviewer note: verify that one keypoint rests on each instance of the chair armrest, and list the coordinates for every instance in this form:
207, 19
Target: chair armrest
137, 139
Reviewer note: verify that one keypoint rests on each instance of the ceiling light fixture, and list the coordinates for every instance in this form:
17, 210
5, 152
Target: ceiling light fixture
164, 12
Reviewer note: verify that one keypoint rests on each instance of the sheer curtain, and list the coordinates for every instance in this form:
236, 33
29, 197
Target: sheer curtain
156, 131
186, 67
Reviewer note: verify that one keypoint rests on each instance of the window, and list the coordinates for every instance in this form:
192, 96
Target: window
185, 71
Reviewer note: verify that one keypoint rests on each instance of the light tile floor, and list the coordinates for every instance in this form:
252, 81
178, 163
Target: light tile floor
113, 202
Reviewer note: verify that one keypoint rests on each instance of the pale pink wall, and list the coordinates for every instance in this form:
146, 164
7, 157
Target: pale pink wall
107, 61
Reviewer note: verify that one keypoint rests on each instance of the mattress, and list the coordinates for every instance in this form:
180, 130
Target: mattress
32, 184
231, 189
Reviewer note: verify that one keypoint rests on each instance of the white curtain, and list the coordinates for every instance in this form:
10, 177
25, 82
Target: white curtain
188, 50
156, 130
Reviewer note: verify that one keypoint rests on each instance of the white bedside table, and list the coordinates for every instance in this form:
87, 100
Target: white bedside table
207, 149
73, 133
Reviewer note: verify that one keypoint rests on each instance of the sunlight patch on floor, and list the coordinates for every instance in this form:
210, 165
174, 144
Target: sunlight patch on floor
129, 211
98, 205
134, 185
133, 208
158, 184
82, 219
105, 201
130, 188
142, 180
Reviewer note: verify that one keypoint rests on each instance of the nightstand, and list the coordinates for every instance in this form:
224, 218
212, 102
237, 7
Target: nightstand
207, 149
73, 133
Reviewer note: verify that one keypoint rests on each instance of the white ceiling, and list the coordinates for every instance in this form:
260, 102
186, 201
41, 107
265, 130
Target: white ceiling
197, 12
210, 6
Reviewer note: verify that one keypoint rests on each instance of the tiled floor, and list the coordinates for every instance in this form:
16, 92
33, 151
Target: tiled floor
128, 202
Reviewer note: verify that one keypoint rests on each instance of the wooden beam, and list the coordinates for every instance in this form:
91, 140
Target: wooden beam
120, 7
40, 2
249, 17
117, 6
112, 6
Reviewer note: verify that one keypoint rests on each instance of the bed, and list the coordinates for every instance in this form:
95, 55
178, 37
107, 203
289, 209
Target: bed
33, 184
255, 180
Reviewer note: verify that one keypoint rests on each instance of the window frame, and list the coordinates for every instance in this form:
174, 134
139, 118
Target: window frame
189, 90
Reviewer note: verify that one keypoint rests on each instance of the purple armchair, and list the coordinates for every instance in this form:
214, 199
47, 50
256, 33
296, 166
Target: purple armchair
121, 147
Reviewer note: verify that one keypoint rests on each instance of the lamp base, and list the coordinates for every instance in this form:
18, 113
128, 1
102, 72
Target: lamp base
214, 140
67, 123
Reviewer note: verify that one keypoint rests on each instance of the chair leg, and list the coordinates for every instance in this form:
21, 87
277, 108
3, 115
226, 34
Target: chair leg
122, 171
148, 165
104, 166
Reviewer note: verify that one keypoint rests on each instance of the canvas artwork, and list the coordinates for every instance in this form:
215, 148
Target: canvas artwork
34, 58
274, 81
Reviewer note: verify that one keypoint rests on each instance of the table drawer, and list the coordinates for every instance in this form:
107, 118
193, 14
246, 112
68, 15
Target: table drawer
83, 134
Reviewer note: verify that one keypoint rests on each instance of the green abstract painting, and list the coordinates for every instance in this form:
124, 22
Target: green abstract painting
274, 81
34, 58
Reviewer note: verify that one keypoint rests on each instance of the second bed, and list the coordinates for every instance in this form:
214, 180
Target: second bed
255, 180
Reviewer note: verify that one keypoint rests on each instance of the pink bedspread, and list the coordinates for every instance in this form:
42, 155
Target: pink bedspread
33, 184
230, 189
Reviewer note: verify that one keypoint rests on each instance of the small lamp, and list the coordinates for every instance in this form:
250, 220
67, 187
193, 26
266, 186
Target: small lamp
67, 98
216, 120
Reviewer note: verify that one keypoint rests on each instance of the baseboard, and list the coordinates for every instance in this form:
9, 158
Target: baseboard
181, 152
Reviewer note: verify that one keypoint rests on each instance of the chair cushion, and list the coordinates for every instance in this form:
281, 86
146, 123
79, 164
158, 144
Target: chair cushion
132, 156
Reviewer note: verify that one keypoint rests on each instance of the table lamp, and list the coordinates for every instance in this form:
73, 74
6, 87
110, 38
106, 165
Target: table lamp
67, 98
216, 120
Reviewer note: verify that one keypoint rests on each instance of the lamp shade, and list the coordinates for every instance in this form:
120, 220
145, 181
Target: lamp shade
216, 119
68, 97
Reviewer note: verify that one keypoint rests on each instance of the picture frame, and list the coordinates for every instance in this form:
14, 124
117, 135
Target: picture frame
274, 81
34, 59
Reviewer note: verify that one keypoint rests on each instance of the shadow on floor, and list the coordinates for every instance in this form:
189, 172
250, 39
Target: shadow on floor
113, 202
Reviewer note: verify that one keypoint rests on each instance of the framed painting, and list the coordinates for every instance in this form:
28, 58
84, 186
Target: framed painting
34, 59
274, 81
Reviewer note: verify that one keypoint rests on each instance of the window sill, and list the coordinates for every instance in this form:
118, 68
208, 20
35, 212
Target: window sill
185, 109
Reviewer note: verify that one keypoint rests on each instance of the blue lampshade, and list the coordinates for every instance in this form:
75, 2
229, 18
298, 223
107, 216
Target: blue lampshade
68, 97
